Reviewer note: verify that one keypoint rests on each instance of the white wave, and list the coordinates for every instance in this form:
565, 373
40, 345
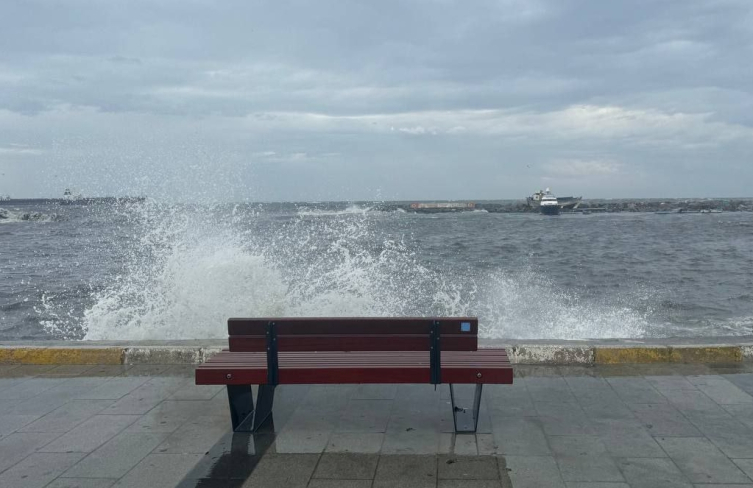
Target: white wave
189, 271
350, 210
15, 215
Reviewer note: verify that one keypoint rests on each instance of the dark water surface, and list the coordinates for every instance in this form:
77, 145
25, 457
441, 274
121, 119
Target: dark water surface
155, 271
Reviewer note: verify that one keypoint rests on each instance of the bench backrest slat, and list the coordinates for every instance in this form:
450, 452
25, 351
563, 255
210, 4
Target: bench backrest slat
354, 334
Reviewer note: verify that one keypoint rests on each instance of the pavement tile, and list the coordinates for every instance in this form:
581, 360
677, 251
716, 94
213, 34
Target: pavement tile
67, 370
146, 396
742, 412
365, 416
614, 409
451, 467
374, 392
347, 466
196, 392
158, 470
411, 468
424, 441
652, 473
465, 445
288, 470
108, 370
322, 483
52, 398
117, 456
742, 381
589, 390
486, 444
520, 436
170, 415
446, 441
734, 438
584, 458
15, 447
595, 484
627, 438
30, 388
664, 383
90, 434
68, 416
554, 390
38, 469
688, 401
534, 472
715, 485
82, 483
701, 461
663, 419
302, 441
746, 465
468, 484
510, 401
195, 436
564, 419
636, 390
12, 423
363, 442
720, 390
114, 388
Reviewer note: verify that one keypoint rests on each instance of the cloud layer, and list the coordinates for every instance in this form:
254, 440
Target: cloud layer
402, 100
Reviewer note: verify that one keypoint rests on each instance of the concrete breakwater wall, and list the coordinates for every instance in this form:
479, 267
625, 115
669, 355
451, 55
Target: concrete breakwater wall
617, 351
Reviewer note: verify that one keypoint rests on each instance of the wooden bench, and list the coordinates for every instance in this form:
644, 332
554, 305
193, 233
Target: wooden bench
287, 351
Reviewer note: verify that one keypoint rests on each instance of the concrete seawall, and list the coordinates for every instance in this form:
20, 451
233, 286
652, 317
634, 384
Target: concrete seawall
720, 350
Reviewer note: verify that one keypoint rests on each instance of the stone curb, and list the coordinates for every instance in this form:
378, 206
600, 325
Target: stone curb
535, 353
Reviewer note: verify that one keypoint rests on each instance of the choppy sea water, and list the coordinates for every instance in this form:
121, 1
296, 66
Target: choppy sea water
156, 271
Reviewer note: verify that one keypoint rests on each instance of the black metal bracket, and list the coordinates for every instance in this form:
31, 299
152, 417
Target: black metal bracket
435, 356
466, 422
244, 416
272, 357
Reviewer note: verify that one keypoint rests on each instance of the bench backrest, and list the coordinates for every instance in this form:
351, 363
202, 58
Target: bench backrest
354, 334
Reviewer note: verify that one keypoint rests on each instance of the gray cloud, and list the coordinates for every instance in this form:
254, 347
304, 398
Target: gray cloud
333, 100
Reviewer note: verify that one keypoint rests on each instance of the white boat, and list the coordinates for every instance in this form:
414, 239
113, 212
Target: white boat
549, 205
564, 202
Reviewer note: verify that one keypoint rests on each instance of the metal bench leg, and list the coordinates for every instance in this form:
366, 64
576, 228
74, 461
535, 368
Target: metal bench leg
466, 422
241, 401
244, 416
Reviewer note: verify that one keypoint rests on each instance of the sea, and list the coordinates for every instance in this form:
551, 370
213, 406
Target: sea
132, 270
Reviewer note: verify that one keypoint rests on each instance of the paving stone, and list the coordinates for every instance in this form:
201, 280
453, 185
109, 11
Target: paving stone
288, 470
146, 396
446, 441
733, 437
743, 412
363, 442
365, 416
67, 370
38, 469
720, 390
407, 468
82, 483
653, 473
411, 442
613, 409
467, 467
196, 436
465, 445
302, 441
374, 392
347, 466
68, 416
12, 423
52, 398
595, 484
627, 438
520, 436
589, 390
159, 470
553, 390
664, 383
339, 483
170, 415
109, 370
636, 390
91, 434
742, 381
584, 458
746, 465
564, 419
688, 401
197, 392
663, 419
468, 484
701, 461
486, 444
534, 472
15, 447
116, 457
736, 485
114, 388
30, 388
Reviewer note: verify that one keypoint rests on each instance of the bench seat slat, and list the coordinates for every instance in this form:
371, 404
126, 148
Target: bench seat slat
357, 367
352, 342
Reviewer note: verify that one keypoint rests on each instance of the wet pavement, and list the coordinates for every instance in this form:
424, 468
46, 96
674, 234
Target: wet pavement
603, 426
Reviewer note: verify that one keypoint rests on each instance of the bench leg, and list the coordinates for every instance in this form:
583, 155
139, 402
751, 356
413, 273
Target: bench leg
466, 422
244, 416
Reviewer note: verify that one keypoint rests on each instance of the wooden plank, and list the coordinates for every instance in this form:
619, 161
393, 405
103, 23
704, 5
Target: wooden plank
350, 342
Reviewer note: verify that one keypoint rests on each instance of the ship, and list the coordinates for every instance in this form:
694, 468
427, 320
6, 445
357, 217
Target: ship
567, 203
549, 205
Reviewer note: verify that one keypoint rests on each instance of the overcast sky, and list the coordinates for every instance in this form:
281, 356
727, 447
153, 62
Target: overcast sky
349, 100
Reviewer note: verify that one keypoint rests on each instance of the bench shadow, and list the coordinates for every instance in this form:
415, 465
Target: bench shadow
230, 462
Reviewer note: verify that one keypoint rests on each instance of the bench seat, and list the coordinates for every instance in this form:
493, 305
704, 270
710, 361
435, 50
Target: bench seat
335, 367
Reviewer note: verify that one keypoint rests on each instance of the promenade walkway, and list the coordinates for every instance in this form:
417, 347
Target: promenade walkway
576, 427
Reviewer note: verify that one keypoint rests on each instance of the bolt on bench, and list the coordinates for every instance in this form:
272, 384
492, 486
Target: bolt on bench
286, 351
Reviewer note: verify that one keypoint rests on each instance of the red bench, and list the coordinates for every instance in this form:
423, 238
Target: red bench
276, 351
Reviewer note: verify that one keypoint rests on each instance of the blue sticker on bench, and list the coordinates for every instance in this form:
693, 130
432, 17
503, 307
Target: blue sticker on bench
465, 326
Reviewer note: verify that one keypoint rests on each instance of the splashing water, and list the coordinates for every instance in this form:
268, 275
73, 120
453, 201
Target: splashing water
188, 268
